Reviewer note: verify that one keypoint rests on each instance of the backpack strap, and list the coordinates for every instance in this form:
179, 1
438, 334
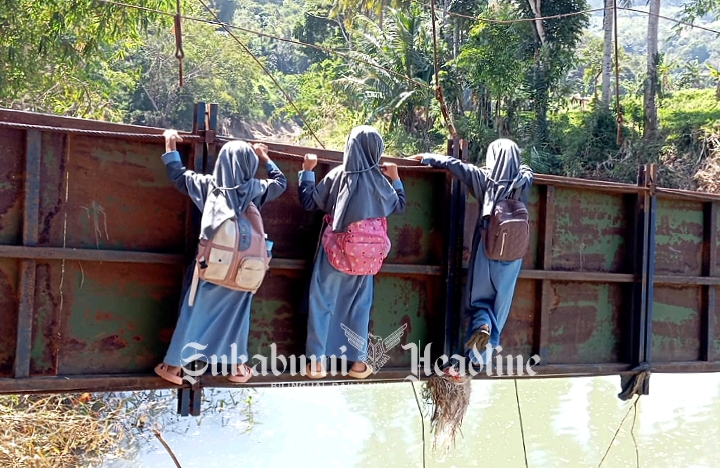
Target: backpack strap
323, 225
193, 286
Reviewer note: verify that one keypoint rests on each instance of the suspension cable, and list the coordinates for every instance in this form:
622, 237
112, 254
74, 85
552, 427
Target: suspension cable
267, 72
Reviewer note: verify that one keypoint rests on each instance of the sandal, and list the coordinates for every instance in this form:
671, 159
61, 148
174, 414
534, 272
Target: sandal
163, 371
311, 373
361, 375
479, 339
244, 373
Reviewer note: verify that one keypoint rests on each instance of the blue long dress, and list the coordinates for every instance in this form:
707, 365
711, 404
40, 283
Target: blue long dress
220, 317
491, 283
336, 298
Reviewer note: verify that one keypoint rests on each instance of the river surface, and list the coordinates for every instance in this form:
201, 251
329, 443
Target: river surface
567, 422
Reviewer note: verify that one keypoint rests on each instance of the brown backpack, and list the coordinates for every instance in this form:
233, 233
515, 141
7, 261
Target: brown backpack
507, 235
236, 257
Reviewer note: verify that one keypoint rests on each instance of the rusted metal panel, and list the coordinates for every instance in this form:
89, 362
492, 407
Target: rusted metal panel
677, 309
8, 314
26, 280
590, 233
53, 174
709, 260
118, 198
415, 301
585, 323
518, 337
115, 318
275, 317
717, 239
12, 175
34, 118
676, 324
46, 319
679, 238
714, 339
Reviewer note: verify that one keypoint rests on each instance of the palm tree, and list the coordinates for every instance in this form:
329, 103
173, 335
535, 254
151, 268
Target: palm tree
403, 47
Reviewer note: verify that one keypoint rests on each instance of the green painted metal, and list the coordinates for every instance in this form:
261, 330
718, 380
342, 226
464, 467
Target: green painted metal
591, 230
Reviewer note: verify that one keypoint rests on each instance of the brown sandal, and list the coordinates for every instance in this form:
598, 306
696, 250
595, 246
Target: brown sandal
361, 375
244, 373
313, 374
479, 339
163, 371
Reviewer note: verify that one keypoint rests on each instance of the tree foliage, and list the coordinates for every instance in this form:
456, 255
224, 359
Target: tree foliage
55, 53
527, 79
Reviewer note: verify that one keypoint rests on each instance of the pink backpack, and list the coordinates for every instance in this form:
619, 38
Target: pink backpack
361, 249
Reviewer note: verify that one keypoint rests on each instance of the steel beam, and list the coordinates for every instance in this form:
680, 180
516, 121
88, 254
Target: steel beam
26, 288
709, 268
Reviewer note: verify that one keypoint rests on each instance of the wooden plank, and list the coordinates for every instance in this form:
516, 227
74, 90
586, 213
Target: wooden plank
26, 286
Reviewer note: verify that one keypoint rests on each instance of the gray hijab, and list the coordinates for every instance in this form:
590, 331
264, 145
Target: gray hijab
502, 170
228, 193
358, 189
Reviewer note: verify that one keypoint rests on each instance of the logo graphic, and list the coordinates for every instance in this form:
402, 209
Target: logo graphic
377, 348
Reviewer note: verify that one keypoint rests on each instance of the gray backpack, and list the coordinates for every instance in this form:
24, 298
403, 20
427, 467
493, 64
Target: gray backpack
507, 235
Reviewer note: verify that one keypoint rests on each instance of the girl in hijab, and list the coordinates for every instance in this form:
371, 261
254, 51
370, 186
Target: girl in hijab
491, 283
339, 303
218, 317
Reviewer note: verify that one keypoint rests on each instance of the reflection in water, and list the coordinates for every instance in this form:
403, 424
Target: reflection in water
567, 423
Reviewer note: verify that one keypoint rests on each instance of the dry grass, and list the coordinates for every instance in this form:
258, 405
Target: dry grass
708, 177
449, 396
84, 430
57, 431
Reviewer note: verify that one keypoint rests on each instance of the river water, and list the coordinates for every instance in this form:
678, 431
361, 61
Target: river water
568, 422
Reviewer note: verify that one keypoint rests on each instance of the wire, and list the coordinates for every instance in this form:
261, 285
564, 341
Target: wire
684, 23
517, 20
438, 90
422, 420
267, 72
447, 12
565, 15
277, 38
522, 429
380, 67
632, 406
